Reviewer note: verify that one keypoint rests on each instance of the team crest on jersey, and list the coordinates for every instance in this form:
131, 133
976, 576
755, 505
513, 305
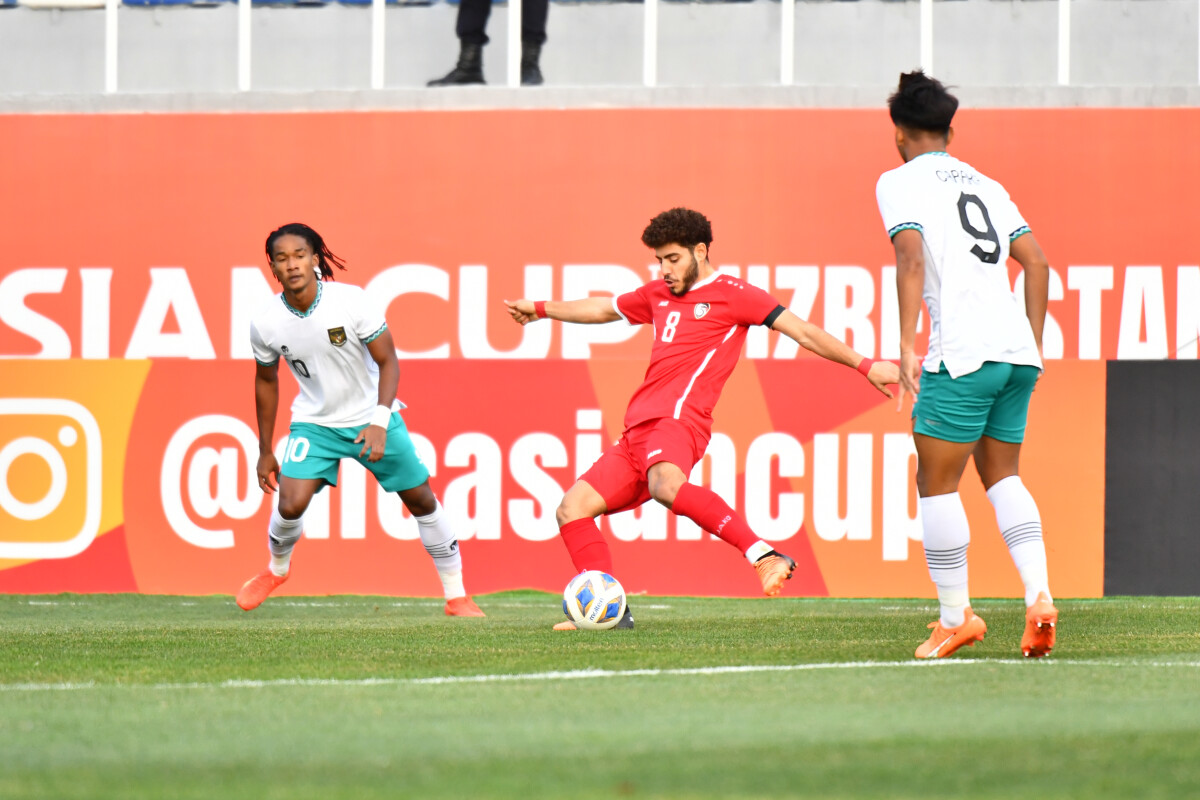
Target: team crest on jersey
701, 310
337, 336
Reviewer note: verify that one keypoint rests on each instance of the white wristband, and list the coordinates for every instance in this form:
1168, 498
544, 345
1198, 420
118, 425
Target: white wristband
382, 417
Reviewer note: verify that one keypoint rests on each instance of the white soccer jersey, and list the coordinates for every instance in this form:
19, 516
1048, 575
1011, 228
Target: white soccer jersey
967, 221
326, 349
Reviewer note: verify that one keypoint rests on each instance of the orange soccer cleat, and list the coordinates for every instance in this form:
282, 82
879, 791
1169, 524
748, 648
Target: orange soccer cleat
255, 590
773, 569
565, 625
944, 641
463, 607
1040, 621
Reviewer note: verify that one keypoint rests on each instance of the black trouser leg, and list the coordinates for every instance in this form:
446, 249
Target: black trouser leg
472, 21
533, 21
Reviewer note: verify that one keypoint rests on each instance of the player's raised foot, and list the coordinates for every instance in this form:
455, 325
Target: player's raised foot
463, 607
944, 641
626, 622
257, 589
1041, 618
773, 569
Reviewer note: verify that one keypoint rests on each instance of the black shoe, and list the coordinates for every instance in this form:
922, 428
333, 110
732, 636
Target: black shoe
626, 619
626, 622
531, 73
469, 69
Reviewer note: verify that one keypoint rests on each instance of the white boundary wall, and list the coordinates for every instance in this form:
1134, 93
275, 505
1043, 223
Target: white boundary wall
594, 97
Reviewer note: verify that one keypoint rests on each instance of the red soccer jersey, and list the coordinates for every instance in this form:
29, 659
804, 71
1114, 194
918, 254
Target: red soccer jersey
697, 341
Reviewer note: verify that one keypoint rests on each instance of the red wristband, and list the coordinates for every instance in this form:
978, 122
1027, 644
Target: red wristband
864, 366
539, 309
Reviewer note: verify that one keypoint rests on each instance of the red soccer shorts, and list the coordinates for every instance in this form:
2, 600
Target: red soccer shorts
619, 475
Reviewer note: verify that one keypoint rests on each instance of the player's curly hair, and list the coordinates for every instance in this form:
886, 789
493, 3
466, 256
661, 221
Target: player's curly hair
922, 103
326, 260
680, 226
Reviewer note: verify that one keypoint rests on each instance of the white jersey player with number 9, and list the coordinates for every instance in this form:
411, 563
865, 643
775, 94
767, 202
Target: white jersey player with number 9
953, 230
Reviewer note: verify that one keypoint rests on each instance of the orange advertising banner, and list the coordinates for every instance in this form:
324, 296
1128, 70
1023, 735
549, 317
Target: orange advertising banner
133, 261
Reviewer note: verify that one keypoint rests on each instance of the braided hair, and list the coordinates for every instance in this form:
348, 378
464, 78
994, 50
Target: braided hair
326, 260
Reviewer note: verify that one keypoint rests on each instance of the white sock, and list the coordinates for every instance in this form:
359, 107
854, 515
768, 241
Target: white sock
452, 584
1021, 525
442, 546
282, 535
757, 551
946, 536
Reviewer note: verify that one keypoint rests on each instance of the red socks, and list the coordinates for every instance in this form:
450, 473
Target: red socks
588, 549
711, 513
586, 545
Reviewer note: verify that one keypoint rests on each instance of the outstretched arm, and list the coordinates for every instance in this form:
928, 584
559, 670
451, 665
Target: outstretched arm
588, 310
820, 342
266, 405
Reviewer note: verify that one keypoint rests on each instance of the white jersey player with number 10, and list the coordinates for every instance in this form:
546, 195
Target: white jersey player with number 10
325, 347
953, 230
337, 345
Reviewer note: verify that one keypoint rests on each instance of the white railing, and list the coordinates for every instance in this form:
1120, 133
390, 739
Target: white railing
926, 36
377, 43
243, 29
514, 43
110, 46
650, 43
787, 43
1064, 42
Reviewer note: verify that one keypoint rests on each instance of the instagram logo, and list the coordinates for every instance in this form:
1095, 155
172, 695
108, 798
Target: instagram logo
50, 472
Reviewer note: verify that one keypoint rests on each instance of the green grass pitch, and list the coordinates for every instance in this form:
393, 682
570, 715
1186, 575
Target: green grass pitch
120, 696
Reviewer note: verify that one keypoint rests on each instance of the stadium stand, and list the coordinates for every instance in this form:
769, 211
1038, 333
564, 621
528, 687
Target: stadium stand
730, 46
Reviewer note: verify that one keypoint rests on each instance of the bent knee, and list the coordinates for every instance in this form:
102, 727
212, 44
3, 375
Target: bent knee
580, 502
567, 512
291, 510
420, 500
665, 487
665, 493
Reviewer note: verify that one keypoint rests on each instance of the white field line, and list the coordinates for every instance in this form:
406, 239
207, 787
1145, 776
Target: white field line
584, 674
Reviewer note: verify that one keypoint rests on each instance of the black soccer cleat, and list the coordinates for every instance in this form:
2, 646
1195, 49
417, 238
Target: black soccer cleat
626, 622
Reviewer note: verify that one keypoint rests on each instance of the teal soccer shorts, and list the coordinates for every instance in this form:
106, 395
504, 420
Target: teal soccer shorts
314, 451
991, 401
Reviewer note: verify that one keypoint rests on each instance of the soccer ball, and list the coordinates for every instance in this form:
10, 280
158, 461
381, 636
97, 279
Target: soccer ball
594, 600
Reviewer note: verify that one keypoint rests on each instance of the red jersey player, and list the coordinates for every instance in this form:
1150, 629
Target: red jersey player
700, 319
